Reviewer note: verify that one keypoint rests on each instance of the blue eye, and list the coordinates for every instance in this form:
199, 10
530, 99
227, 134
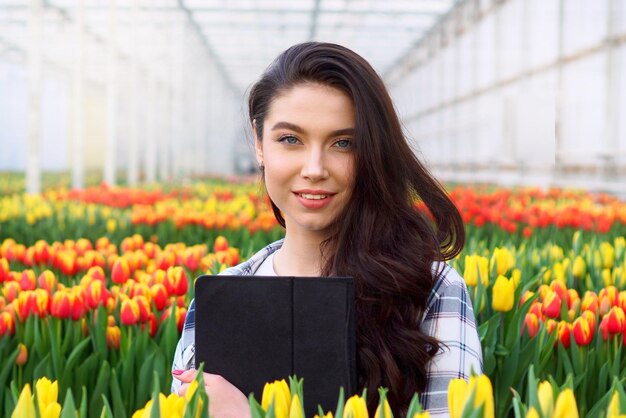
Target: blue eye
344, 143
289, 139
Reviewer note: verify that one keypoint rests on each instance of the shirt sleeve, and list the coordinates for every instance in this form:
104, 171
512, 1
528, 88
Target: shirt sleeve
449, 317
184, 356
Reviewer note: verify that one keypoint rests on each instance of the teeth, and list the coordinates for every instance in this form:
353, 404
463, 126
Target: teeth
313, 196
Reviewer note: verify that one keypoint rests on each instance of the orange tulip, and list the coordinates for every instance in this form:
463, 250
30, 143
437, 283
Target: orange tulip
11, 290
144, 307
129, 313
564, 331
531, 324
113, 334
582, 331
589, 302
22, 357
4, 270
220, 244
120, 272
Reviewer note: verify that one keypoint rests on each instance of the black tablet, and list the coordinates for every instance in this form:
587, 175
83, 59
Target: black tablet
256, 329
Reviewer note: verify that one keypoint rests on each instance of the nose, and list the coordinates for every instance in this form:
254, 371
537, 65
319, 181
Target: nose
314, 167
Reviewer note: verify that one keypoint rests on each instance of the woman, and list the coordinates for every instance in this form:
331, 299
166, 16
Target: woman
344, 182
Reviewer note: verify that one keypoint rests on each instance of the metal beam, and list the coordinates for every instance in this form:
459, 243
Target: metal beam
204, 40
373, 12
314, 15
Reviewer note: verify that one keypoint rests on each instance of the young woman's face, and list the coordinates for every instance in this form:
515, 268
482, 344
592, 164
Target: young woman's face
307, 151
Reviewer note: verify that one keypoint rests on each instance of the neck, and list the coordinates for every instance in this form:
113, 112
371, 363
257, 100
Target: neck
299, 256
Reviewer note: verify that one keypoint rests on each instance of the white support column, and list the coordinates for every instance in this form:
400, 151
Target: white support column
151, 107
110, 162
612, 89
133, 137
558, 116
78, 146
33, 159
178, 141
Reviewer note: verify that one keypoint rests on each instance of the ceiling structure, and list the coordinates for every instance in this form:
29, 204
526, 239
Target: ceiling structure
241, 37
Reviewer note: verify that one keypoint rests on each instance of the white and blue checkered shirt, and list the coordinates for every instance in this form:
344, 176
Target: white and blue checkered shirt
449, 317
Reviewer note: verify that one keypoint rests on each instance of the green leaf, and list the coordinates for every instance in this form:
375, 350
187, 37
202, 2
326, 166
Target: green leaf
69, 409
341, 403
116, 397
106, 409
101, 389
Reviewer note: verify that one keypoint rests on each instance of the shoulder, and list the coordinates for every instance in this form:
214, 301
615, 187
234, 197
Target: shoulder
250, 266
449, 290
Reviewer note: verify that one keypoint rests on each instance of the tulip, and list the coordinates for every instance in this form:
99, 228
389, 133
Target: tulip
276, 393
113, 335
159, 296
96, 293
120, 272
25, 407
423, 414
296, 411
608, 255
176, 281
531, 325
166, 259
589, 302
7, 323
129, 313
503, 294
220, 244
532, 413
4, 269
22, 356
616, 320
47, 394
144, 307
28, 280
579, 269
384, 410
545, 393
551, 305
457, 396
61, 304
582, 331
355, 408
564, 331
566, 405
573, 300
47, 280
503, 260
330, 415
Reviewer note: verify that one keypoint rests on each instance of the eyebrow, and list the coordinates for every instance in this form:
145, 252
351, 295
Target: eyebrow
296, 128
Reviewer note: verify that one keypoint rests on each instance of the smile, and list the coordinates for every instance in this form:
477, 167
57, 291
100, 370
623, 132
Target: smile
313, 196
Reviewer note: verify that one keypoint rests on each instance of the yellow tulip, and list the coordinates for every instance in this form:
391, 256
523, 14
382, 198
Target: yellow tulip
279, 394
470, 274
328, 415
424, 414
566, 405
516, 277
613, 409
25, 407
387, 411
532, 413
296, 411
47, 395
579, 269
355, 408
546, 398
608, 255
481, 386
457, 395
503, 294
503, 260
607, 278
559, 271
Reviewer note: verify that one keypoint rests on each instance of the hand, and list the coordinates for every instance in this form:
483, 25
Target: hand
225, 400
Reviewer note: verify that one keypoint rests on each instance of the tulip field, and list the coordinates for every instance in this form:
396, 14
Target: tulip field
94, 286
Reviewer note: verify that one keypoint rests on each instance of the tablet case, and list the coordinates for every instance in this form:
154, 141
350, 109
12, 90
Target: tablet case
254, 329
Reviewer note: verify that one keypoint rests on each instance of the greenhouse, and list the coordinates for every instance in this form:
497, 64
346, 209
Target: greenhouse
456, 169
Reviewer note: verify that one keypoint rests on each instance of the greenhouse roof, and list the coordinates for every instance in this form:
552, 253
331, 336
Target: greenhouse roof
240, 36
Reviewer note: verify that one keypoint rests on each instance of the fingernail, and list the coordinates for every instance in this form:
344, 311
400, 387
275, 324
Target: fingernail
177, 372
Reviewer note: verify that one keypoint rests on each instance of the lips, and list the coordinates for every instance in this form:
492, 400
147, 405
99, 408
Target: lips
314, 199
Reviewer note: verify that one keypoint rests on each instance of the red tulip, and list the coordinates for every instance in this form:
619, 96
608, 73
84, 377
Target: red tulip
28, 280
616, 320
144, 307
176, 281
41, 252
7, 323
564, 331
113, 335
159, 296
26, 303
11, 290
77, 305
61, 304
589, 302
582, 331
120, 272
96, 293
551, 306
4, 270
129, 313
22, 357
166, 260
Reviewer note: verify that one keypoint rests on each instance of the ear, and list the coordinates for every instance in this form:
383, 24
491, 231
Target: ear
258, 145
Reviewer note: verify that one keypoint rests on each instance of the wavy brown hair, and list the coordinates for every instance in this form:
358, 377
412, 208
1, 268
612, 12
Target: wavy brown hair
382, 239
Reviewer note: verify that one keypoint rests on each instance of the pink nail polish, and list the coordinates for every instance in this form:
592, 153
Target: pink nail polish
177, 372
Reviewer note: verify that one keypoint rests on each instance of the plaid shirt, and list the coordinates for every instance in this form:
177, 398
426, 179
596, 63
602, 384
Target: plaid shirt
449, 317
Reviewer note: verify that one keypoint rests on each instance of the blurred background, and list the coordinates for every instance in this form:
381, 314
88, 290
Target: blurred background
509, 92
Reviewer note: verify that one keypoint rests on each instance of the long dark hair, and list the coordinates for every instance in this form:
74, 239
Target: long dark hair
382, 239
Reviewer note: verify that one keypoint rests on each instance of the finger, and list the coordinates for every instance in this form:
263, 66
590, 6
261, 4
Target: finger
183, 389
185, 376
213, 379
